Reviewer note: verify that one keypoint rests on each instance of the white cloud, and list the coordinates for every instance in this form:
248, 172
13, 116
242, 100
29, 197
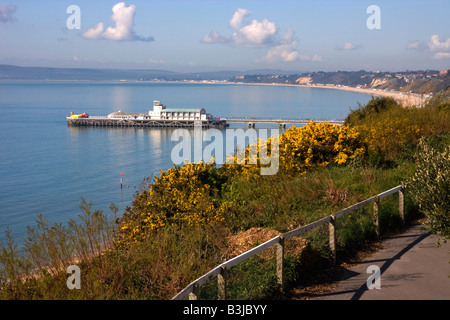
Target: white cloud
416, 45
6, 12
239, 14
95, 33
256, 33
349, 46
215, 37
123, 17
436, 44
252, 34
442, 46
285, 51
317, 58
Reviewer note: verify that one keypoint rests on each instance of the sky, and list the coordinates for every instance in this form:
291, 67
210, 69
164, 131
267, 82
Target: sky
217, 35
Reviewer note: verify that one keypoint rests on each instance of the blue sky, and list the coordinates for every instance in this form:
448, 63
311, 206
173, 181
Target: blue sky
211, 35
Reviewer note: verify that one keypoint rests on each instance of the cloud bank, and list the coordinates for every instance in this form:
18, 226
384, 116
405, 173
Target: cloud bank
259, 33
6, 12
123, 17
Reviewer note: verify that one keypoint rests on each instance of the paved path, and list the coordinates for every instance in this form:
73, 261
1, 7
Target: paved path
411, 267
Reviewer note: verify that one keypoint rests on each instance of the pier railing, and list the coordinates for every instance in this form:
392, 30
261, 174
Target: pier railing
192, 290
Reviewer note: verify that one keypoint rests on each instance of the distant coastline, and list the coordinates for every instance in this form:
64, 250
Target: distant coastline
404, 98
406, 87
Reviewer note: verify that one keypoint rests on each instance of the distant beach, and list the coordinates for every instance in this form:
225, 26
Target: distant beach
404, 98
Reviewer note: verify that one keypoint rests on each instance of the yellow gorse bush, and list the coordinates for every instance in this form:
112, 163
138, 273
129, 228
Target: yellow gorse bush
387, 137
319, 144
182, 195
302, 148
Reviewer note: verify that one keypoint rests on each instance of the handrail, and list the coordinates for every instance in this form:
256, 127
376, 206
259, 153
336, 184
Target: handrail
193, 287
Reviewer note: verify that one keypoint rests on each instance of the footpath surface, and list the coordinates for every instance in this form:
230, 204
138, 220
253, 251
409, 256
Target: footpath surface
411, 268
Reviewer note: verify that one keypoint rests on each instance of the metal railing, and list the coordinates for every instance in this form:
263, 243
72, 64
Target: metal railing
192, 290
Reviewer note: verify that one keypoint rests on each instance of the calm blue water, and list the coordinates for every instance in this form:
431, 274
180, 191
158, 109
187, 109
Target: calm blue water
46, 166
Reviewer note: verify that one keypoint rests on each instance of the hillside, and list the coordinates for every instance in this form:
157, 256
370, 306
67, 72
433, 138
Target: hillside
422, 82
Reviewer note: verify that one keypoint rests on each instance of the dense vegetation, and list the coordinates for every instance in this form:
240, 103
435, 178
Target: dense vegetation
188, 220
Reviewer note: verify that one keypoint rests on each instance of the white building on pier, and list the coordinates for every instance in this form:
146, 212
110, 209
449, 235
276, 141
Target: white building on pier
160, 112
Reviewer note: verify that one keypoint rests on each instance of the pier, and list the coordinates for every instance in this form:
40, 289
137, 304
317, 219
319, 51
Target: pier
161, 116
99, 121
96, 121
281, 122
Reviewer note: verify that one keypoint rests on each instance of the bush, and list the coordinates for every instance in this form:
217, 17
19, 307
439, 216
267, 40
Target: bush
303, 149
374, 107
391, 132
38, 270
317, 145
430, 186
187, 195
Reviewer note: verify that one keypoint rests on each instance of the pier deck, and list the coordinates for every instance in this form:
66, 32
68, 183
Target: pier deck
96, 121
281, 122
108, 122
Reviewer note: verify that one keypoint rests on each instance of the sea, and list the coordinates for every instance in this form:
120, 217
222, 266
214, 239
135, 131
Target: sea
47, 167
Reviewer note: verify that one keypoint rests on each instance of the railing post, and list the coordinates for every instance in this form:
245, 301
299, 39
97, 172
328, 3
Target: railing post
376, 216
279, 249
194, 294
401, 204
332, 234
222, 284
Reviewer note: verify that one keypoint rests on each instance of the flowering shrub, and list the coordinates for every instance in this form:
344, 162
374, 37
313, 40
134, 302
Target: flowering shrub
391, 131
303, 148
388, 137
319, 144
186, 195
